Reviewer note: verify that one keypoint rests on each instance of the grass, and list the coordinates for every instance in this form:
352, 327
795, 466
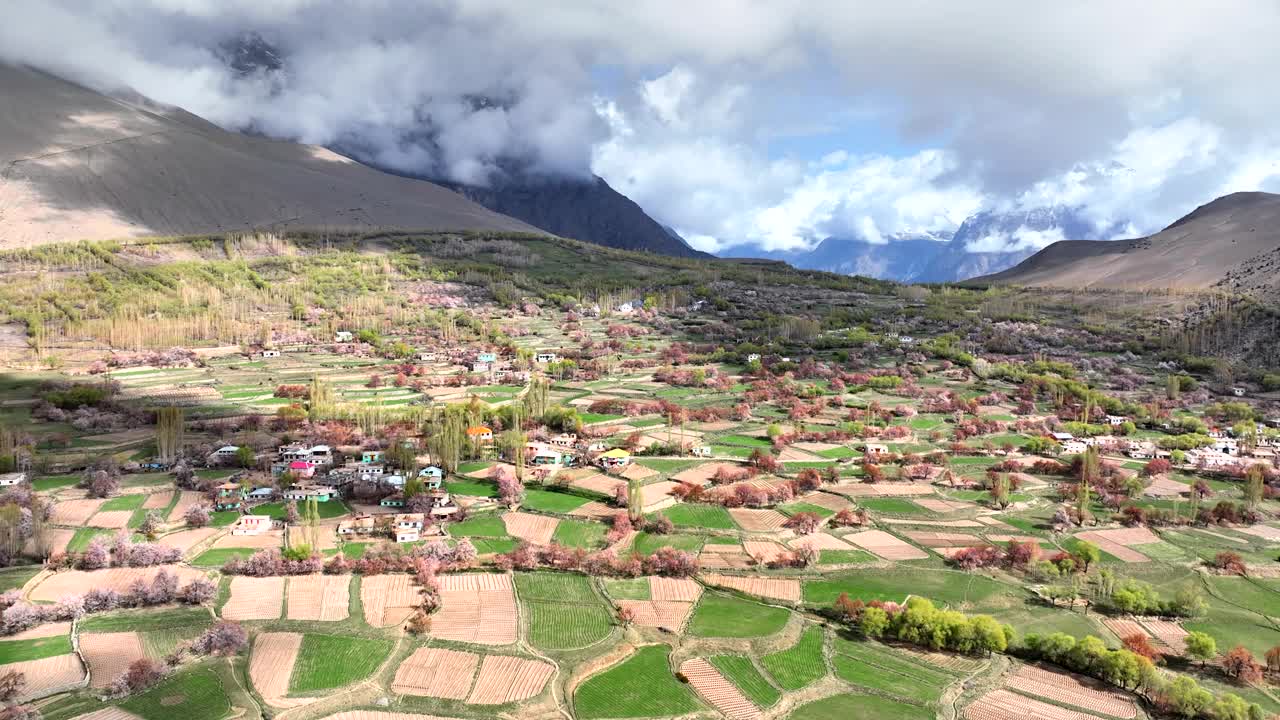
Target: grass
894, 584
471, 489
640, 686
726, 616
194, 694
159, 643
627, 588
217, 557
844, 557
53, 482
740, 671
145, 620
580, 534
15, 578
124, 502
85, 535
223, 518
745, 441
860, 706
18, 650
711, 517
799, 507
551, 502
486, 545
856, 672
331, 661
800, 664
327, 510
479, 526
646, 543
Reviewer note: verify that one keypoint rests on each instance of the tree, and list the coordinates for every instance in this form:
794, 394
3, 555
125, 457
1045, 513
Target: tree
1185, 697
1139, 644
1273, 659
1240, 664
245, 457
169, 432
224, 638
1255, 482
11, 683
291, 514
1201, 646
1087, 553
874, 622
1000, 491
197, 516
150, 525
803, 523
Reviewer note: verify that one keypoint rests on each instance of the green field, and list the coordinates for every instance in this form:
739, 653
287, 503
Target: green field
740, 671
479, 526
727, 616
627, 588
124, 502
12, 651
892, 506
192, 694
14, 578
918, 688
563, 611
551, 502
640, 686
800, 664
860, 706
53, 482
217, 557
894, 584
328, 510
331, 661
472, 489
711, 517
146, 619
579, 534
647, 544
844, 557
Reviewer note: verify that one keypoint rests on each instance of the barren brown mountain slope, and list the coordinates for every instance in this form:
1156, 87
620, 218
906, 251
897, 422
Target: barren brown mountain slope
1232, 243
76, 164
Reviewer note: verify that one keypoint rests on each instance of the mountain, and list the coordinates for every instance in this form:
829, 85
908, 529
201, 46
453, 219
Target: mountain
583, 209
984, 243
1231, 243
77, 164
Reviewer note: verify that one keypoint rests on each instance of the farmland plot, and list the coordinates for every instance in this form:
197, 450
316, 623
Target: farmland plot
563, 611
784, 589
271, 664
1075, 690
47, 674
436, 672
78, 582
799, 665
476, 608
1005, 705
319, 597
504, 679
640, 686
325, 662
109, 655
255, 598
388, 599
718, 691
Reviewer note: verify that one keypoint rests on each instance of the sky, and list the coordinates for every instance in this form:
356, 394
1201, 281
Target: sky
774, 124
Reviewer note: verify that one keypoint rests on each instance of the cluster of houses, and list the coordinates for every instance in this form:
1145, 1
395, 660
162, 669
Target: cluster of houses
1225, 451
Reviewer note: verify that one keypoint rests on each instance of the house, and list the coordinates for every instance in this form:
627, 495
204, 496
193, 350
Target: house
1210, 459
359, 525
407, 535
1226, 446
411, 520
625, 308
1074, 447
343, 336
597, 447
539, 454
753, 357
301, 493
441, 504
230, 497
701, 451
13, 478
1141, 450
371, 456
907, 340
487, 357
1237, 391
432, 472
480, 434
544, 357
565, 440
875, 450
1062, 436
481, 367
1216, 433
394, 500
370, 472
226, 452
395, 480
1116, 420
251, 525
301, 469
270, 353
260, 494
614, 458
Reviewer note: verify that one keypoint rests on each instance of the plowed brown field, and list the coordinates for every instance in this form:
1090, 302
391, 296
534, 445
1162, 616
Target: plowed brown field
718, 691
436, 672
476, 608
319, 597
785, 589
109, 655
505, 679
388, 599
271, 664
255, 598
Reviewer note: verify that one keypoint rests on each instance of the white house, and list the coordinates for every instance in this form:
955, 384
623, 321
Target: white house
270, 353
251, 525
1074, 447
753, 357
565, 440
875, 450
226, 452
1237, 391
13, 478
1062, 436
625, 308
1226, 446
907, 340
1116, 420
481, 367
701, 451
486, 357
544, 357
427, 356
343, 336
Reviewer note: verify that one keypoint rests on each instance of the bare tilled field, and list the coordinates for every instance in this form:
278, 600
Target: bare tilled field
78, 582
702, 474
268, 539
47, 674
186, 499
1169, 633
1005, 705
158, 500
753, 520
598, 483
658, 614
1073, 690
718, 691
271, 664
74, 512
536, 529
763, 551
1120, 542
820, 541
785, 589
380, 715
887, 546
595, 510
388, 599
42, 631
184, 540
476, 608
674, 589
883, 489
108, 713
111, 519
436, 672
1123, 627
109, 655
319, 597
255, 598
504, 679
